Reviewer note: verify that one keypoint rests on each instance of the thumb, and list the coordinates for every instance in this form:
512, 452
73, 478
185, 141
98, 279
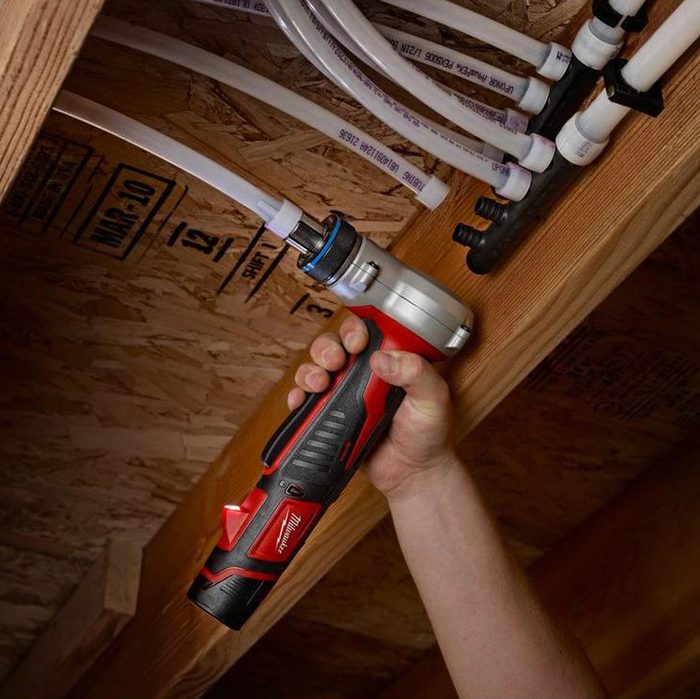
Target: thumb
425, 389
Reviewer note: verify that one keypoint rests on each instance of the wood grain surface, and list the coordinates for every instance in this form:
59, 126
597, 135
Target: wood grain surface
96, 612
39, 41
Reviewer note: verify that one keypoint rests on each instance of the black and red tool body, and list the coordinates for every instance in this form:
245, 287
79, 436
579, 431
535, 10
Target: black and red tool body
315, 452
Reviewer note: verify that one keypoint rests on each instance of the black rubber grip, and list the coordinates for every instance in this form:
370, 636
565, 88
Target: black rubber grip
309, 460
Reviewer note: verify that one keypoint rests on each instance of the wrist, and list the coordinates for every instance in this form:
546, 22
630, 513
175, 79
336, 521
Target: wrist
424, 482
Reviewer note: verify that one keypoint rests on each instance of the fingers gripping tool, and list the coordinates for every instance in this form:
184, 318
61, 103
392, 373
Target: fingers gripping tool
314, 453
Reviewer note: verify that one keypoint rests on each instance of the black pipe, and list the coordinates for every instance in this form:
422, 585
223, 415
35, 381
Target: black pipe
565, 98
513, 221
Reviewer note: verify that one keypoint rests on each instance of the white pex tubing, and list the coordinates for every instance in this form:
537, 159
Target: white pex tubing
426, 52
510, 118
451, 61
550, 60
314, 42
429, 190
414, 48
280, 216
532, 152
665, 46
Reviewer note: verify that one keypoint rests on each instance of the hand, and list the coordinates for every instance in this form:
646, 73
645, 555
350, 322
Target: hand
420, 442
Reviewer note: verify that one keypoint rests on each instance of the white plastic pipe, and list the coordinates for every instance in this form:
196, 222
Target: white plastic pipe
512, 119
338, 32
427, 52
533, 152
384, 105
312, 40
429, 190
451, 61
346, 39
170, 150
586, 134
596, 43
665, 46
543, 56
627, 8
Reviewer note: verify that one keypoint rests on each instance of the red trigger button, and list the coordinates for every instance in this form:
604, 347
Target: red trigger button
235, 518
233, 521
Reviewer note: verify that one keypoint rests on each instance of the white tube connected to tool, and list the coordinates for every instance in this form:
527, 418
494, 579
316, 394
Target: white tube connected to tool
280, 216
430, 190
314, 41
551, 60
586, 134
533, 152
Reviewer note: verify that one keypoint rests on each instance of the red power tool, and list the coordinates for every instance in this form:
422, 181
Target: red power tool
314, 453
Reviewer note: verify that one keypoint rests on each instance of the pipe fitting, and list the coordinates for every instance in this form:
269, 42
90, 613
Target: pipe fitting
468, 236
535, 96
490, 209
540, 154
555, 62
517, 183
592, 50
577, 148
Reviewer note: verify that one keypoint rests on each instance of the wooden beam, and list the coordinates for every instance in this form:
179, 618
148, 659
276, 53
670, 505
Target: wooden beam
626, 583
39, 39
619, 212
101, 605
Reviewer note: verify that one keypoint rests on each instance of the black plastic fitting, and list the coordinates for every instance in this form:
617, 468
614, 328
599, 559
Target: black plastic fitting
466, 235
621, 92
565, 98
605, 13
635, 23
489, 209
490, 247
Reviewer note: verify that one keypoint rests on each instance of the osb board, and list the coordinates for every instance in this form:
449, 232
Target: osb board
609, 402
126, 371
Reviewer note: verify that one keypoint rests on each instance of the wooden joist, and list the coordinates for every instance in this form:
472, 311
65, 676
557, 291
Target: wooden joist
626, 583
38, 42
94, 615
620, 211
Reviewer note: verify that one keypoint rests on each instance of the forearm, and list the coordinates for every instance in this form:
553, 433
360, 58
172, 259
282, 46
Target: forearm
495, 637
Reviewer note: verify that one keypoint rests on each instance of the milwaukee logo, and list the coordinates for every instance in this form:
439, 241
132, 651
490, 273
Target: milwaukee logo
290, 524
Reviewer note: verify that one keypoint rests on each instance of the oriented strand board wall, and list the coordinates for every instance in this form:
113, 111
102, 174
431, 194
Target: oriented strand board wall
123, 374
